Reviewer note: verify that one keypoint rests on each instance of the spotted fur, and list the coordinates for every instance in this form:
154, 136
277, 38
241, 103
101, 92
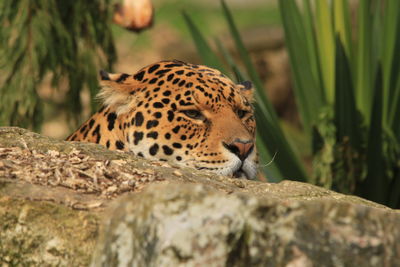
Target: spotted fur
191, 115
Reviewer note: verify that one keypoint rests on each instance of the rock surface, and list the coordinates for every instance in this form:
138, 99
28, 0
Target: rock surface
54, 195
195, 225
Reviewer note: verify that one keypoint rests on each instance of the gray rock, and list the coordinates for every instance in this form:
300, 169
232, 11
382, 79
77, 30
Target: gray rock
195, 225
55, 194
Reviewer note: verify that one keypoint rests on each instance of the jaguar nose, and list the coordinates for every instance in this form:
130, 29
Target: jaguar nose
240, 148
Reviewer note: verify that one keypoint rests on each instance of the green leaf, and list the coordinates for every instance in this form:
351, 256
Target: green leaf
342, 25
231, 63
326, 46
346, 114
394, 196
390, 51
268, 124
206, 53
364, 88
394, 115
251, 71
391, 68
267, 162
209, 58
375, 186
312, 47
266, 159
304, 61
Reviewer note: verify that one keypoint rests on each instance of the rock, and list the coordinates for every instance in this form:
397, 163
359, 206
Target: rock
41, 233
55, 194
196, 225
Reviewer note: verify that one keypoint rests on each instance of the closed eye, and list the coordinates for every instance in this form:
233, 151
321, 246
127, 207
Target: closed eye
194, 114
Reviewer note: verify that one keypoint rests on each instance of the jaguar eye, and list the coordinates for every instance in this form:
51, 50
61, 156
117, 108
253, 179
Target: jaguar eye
241, 113
194, 114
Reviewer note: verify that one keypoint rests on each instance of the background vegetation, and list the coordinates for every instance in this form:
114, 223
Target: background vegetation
64, 41
343, 66
347, 87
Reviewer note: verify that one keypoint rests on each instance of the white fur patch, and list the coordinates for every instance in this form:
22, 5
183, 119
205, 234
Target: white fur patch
119, 99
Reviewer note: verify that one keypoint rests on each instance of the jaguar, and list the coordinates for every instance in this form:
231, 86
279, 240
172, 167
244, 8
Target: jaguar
190, 115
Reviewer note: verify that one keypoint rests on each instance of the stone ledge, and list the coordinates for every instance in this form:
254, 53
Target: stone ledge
54, 195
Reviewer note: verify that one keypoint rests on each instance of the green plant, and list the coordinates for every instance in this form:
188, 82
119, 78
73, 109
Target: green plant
272, 145
347, 85
63, 40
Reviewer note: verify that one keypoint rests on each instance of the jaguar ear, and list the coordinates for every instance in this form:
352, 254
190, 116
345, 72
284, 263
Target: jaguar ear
247, 89
117, 90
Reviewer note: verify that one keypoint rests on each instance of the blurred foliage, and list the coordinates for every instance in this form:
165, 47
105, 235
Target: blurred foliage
347, 88
205, 13
67, 41
347, 81
277, 158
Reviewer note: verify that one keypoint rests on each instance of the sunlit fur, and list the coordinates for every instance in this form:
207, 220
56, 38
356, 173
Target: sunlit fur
150, 113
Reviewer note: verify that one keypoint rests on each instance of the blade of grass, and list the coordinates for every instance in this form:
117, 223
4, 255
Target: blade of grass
389, 61
377, 43
272, 134
304, 62
394, 197
267, 163
364, 60
206, 53
326, 48
375, 186
393, 82
208, 56
312, 48
251, 71
266, 159
394, 116
342, 25
229, 60
346, 114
